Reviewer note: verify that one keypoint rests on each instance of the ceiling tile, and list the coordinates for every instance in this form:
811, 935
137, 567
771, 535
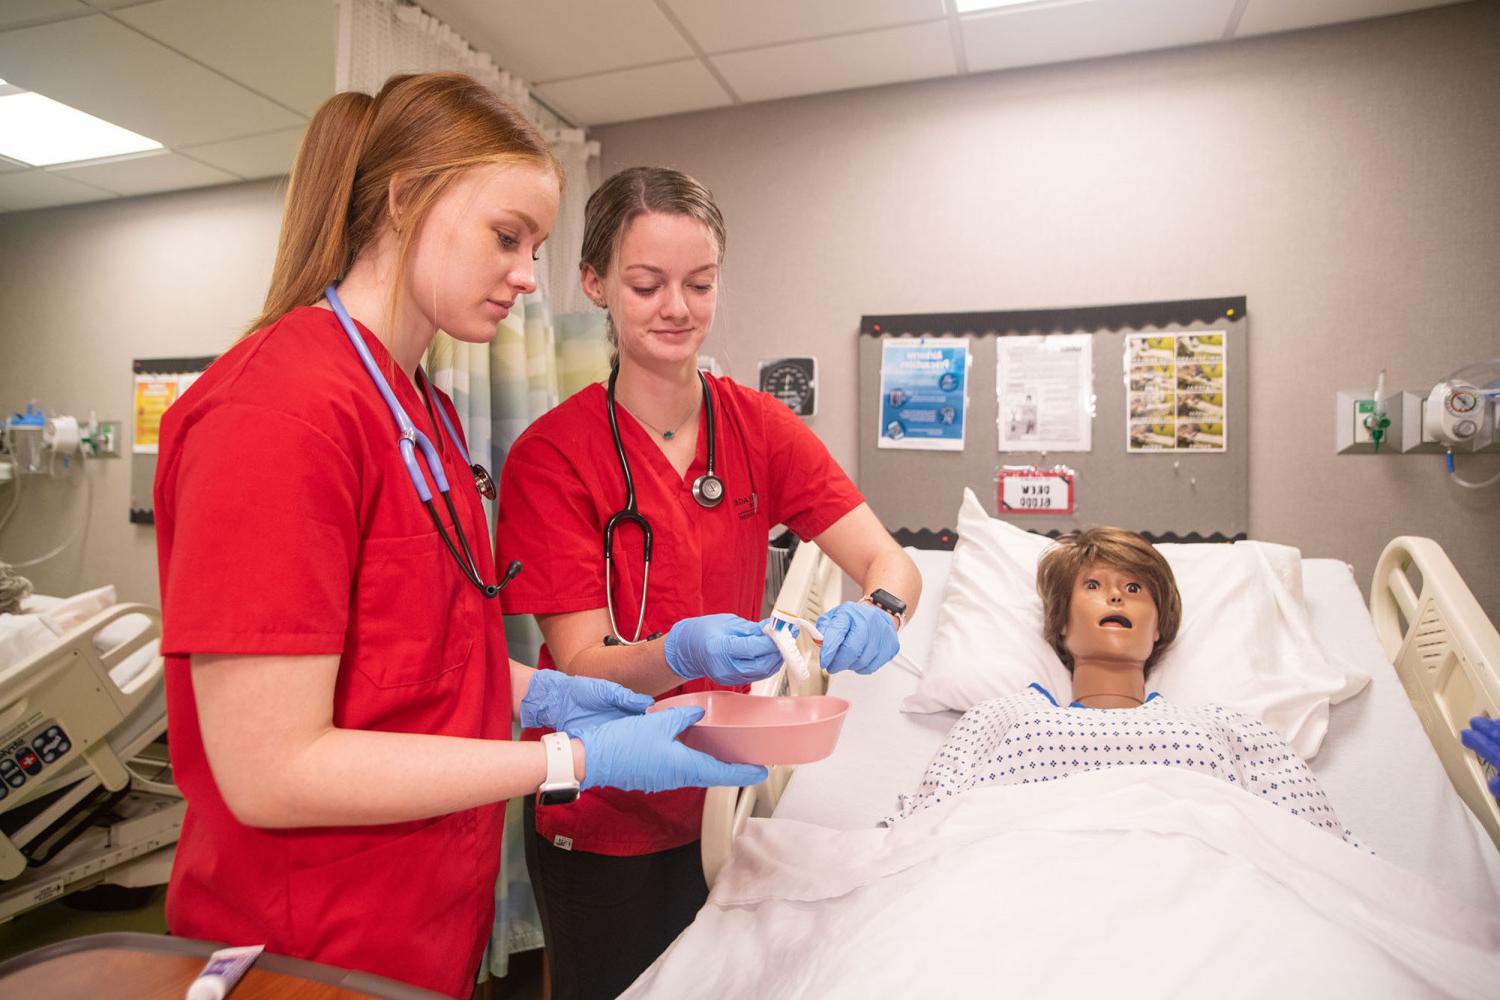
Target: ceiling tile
1265, 16
18, 12
1028, 36
282, 49
146, 174
41, 188
916, 52
268, 155
100, 66
720, 25
636, 93
559, 39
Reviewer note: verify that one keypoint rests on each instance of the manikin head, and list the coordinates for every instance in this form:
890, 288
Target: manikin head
1108, 597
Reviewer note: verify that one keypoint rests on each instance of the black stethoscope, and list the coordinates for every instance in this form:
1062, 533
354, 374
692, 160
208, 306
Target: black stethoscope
708, 490
411, 439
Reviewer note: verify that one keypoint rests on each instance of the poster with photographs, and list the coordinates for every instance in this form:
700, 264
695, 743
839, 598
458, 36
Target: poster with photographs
1175, 392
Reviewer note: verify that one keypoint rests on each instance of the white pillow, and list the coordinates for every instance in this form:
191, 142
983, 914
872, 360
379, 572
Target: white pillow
916, 635
71, 612
1245, 641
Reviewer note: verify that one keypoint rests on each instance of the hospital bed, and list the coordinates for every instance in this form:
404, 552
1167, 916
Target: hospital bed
86, 792
1391, 764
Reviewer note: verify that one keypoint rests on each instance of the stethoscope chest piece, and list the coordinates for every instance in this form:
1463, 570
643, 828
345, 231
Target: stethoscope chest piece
483, 481
708, 490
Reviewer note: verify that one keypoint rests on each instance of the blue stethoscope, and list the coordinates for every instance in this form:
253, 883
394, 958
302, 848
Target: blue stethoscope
409, 441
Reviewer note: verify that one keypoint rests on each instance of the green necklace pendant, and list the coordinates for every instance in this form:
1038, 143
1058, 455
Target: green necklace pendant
668, 435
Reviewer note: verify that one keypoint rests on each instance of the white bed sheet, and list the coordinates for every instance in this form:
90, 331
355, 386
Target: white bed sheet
1376, 765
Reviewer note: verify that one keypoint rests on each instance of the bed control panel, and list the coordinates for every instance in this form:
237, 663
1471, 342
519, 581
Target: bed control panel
29, 755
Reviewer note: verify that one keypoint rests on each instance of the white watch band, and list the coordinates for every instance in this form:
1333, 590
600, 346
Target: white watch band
559, 759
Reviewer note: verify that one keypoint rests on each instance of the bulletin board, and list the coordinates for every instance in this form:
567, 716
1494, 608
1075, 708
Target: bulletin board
1176, 495
156, 384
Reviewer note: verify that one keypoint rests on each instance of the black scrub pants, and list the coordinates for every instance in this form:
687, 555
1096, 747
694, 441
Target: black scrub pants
606, 919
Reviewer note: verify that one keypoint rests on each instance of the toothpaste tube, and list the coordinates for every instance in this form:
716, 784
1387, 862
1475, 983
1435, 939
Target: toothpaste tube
223, 971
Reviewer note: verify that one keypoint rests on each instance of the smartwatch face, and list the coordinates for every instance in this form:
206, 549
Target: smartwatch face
887, 601
556, 796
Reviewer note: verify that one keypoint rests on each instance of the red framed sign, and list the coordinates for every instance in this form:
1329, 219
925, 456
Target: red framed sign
1036, 491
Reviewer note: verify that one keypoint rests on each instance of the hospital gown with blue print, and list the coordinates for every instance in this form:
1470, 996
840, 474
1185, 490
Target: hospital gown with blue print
1027, 737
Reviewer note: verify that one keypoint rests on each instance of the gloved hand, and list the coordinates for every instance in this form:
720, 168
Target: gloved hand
577, 705
858, 637
642, 754
726, 649
1483, 737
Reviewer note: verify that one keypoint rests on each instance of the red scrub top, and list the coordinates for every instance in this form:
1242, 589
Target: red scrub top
287, 525
562, 481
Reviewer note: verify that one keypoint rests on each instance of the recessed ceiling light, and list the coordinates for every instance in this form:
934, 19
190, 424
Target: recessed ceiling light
970, 6
42, 132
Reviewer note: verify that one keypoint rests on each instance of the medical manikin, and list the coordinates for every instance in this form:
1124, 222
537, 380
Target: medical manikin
1110, 610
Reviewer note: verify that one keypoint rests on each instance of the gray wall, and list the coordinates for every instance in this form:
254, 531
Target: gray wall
85, 289
1343, 179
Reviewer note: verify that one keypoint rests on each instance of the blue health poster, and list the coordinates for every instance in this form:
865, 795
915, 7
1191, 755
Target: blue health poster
923, 392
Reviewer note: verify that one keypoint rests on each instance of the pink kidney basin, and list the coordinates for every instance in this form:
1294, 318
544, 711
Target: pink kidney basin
747, 729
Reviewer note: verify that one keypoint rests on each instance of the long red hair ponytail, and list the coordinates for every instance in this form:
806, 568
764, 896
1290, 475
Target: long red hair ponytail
419, 132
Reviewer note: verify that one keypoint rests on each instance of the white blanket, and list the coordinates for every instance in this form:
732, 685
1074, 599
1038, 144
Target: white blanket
1130, 882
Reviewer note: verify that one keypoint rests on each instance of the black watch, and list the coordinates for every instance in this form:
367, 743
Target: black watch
890, 604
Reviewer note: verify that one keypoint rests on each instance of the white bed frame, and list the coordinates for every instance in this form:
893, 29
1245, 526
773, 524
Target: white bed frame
1443, 646
812, 586
1447, 654
70, 685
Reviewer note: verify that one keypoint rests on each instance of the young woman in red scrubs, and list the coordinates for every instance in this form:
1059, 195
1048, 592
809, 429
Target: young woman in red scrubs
339, 694
712, 467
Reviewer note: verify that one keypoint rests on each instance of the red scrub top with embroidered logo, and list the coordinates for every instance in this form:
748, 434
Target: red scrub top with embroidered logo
562, 481
288, 525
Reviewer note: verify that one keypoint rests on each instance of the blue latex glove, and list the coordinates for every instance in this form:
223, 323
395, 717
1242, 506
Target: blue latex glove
858, 637
576, 705
1483, 737
642, 754
726, 649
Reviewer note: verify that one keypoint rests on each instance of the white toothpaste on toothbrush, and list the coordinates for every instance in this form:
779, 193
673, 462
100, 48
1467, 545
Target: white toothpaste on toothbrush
223, 971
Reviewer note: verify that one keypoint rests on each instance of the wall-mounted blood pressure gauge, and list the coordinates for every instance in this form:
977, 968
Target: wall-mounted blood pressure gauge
794, 381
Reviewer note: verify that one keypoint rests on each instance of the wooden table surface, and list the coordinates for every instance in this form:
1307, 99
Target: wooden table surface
126, 974
153, 967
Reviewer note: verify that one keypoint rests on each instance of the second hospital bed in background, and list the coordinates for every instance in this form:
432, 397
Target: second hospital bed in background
86, 792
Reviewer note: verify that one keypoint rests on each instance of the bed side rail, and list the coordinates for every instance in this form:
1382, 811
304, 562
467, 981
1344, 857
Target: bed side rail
61, 704
811, 588
1446, 652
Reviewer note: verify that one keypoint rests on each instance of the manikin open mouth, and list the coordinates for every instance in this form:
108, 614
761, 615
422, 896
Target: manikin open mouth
1119, 620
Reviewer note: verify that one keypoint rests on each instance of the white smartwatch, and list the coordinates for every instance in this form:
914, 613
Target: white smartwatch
561, 787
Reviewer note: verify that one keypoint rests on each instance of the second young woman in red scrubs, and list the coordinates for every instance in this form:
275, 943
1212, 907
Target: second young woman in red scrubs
710, 466
338, 690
